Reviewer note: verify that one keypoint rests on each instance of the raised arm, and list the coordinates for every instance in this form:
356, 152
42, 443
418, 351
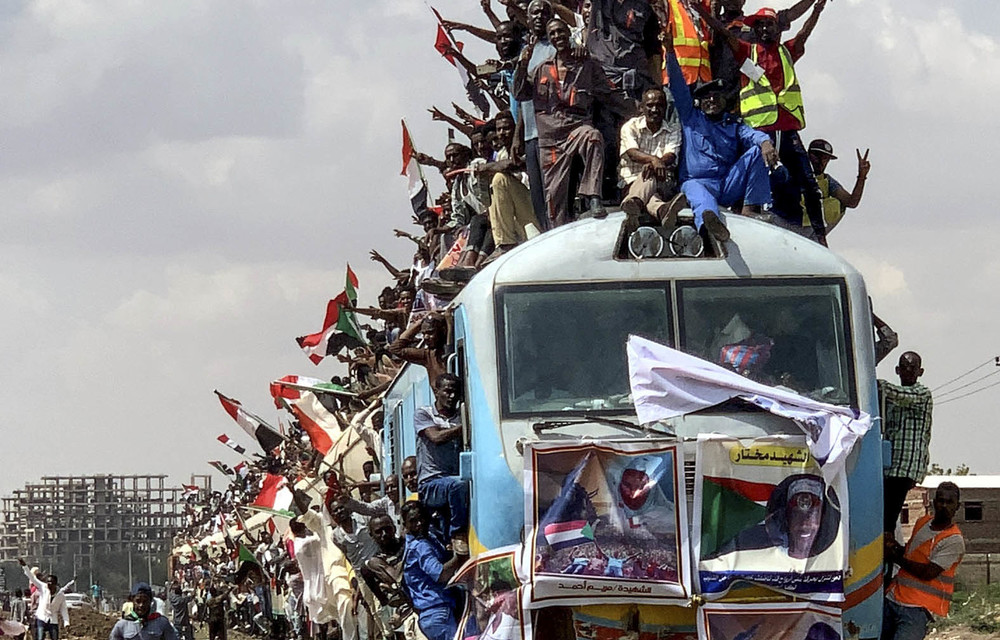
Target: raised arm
32, 578
490, 15
718, 27
564, 13
440, 116
678, 86
887, 339
853, 199
799, 45
379, 258
479, 32
515, 12
797, 10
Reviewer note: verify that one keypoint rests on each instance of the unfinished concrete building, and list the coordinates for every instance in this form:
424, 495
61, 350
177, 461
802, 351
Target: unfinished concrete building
75, 518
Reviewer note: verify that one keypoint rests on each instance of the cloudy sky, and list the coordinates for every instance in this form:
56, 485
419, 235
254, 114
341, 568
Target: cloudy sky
184, 183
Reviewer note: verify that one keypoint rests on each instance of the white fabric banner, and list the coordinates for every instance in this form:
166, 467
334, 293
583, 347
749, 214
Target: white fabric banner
667, 383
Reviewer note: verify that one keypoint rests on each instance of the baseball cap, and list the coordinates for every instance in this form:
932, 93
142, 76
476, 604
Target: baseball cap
766, 12
822, 147
811, 486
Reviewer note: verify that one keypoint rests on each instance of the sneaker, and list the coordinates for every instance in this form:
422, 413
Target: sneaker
457, 274
596, 208
633, 208
667, 213
716, 227
439, 287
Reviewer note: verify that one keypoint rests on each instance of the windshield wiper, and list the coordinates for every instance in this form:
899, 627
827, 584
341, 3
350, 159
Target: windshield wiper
548, 425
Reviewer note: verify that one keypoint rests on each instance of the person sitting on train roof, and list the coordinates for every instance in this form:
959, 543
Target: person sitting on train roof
730, 13
564, 91
510, 208
433, 330
771, 101
426, 571
836, 199
439, 443
650, 144
722, 159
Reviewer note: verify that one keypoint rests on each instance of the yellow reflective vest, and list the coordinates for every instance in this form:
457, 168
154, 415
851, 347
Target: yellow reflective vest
759, 101
833, 210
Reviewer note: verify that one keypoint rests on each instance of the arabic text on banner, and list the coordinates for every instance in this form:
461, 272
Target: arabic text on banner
765, 514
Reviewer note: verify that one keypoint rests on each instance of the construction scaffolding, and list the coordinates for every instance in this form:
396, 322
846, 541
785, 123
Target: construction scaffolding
74, 518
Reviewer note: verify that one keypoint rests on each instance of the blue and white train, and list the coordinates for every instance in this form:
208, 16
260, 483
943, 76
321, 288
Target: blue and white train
539, 335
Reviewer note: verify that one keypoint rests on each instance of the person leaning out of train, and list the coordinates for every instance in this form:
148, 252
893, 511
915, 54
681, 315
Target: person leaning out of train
432, 331
426, 571
439, 443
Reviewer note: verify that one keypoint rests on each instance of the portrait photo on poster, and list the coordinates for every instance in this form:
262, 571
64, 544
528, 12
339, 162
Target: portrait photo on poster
774, 621
493, 609
607, 522
765, 514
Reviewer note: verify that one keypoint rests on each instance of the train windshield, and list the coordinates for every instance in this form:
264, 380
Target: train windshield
786, 333
564, 345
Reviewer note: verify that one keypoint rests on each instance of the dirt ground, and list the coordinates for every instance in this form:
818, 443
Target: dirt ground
87, 624
960, 633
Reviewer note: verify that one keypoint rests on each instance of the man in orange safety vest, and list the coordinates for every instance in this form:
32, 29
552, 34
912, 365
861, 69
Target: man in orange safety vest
923, 586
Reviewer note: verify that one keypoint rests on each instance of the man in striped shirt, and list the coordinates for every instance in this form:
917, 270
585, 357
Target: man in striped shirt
906, 424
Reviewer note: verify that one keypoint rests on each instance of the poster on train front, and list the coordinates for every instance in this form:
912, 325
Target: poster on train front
607, 522
774, 621
493, 597
764, 514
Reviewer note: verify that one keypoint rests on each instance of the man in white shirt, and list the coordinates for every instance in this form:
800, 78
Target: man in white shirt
648, 168
51, 604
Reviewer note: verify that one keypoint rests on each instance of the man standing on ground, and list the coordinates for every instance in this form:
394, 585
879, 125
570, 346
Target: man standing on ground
182, 617
925, 582
51, 604
143, 622
439, 442
650, 146
906, 424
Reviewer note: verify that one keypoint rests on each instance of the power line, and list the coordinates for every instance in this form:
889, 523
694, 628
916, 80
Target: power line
974, 391
976, 368
969, 384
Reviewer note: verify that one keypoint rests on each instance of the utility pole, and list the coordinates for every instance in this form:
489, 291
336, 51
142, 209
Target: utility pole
130, 580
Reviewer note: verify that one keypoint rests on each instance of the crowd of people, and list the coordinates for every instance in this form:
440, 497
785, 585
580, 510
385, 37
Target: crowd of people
655, 105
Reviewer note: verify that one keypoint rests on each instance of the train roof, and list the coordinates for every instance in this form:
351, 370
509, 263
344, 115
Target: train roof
587, 250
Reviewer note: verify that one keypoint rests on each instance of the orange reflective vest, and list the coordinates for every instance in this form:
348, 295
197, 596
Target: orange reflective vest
759, 101
691, 50
935, 595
